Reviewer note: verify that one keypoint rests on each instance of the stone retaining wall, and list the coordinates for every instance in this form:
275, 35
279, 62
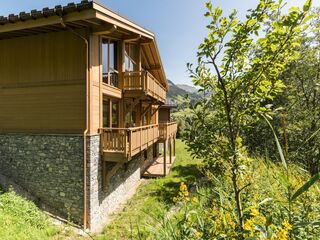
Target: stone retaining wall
49, 167
122, 185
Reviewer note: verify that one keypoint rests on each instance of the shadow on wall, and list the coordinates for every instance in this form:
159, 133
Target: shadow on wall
123, 175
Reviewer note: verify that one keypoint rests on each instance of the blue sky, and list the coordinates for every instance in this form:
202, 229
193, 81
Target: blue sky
178, 24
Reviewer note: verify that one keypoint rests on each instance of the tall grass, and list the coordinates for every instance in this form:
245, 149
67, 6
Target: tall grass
21, 219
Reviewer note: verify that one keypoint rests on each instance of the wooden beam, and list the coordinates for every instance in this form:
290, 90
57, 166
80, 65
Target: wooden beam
147, 109
133, 37
134, 104
154, 67
113, 18
106, 29
93, 22
156, 110
146, 41
71, 17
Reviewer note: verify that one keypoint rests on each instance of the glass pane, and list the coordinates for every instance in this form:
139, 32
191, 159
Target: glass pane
115, 114
113, 56
106, 108
130, 54
105, 61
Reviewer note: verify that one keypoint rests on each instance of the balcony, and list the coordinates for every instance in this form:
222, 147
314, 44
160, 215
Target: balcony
137, 82
121, 144
167, 130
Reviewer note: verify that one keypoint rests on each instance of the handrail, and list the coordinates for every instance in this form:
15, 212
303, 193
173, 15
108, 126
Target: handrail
145, 81
167, 130
131, 128
129, 141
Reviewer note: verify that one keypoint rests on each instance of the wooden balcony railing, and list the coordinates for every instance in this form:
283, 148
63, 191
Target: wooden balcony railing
127, 142
167, 130
144, 81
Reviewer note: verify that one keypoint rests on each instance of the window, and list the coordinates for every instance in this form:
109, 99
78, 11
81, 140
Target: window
115, 114
106, 113
130, 55
112, 105
110, 62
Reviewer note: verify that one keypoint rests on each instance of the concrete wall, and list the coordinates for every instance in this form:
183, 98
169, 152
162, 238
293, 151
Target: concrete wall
49, 167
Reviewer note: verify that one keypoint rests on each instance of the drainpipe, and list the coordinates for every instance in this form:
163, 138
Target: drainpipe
85, 133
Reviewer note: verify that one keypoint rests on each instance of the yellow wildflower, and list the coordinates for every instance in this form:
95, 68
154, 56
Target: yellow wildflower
183, 193
283, 235
248, 225
261, 220
255, 212
195, 200
198, 235
286, 225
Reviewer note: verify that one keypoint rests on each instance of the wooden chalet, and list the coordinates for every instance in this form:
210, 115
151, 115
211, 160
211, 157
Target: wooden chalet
81, 70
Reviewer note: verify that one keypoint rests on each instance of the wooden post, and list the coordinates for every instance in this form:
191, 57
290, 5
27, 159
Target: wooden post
100, 85
170, 150
109, 81
139, 58
174, 146
165, 158
122, 64
110, 113
121, 113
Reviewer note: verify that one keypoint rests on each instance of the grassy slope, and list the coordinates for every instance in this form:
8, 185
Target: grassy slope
153, 198
21, 219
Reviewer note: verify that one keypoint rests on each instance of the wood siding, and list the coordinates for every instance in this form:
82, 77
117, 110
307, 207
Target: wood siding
42, 84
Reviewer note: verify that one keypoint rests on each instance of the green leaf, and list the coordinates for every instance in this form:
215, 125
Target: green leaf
293, 9
306, 141
304, 224
307, 5
307, 18
259, 204
306, 186
283, 160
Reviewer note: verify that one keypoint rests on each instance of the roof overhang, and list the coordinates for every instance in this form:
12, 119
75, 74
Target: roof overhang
89, 15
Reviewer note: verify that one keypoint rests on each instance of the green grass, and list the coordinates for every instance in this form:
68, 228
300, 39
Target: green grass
21, 219
153, 198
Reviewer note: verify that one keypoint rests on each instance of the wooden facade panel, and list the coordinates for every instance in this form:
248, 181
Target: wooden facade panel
42, 84
95, 110
52, 109
42, 58
95, 78
164, 115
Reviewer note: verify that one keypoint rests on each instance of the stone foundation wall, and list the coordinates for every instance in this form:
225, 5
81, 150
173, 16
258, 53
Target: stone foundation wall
104, 201
49, 167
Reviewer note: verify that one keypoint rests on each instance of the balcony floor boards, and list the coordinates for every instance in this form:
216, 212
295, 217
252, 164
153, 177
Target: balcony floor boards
156, 169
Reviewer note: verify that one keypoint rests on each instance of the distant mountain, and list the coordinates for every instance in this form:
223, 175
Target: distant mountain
183, 90
187, 88
174, 90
